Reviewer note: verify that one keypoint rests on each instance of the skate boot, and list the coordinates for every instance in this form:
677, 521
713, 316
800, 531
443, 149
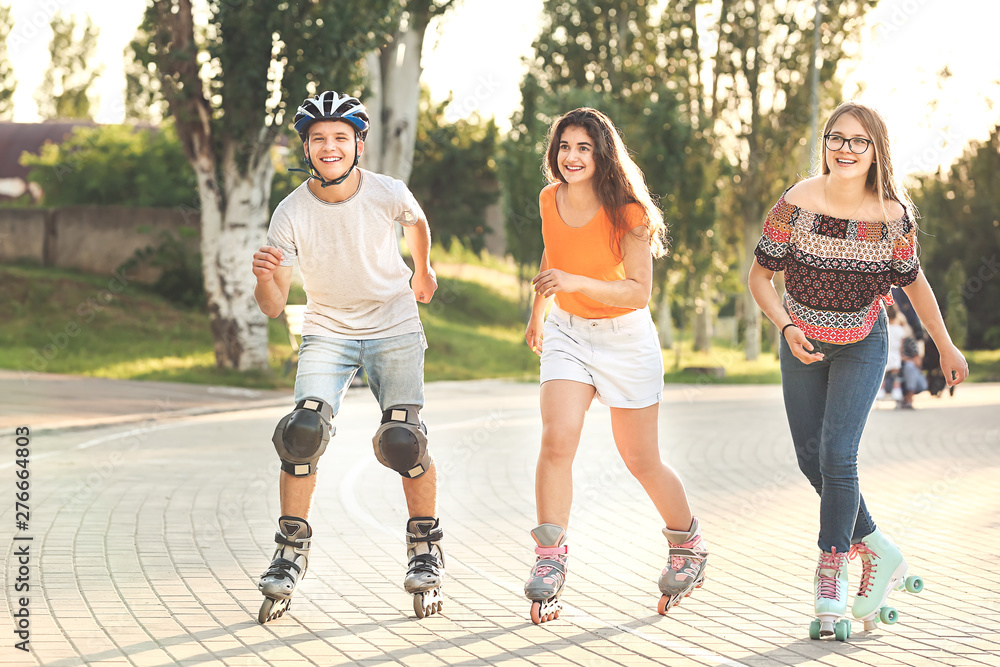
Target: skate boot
883, 570
548, 575
426, 568
830, 589
686, 569
291, 559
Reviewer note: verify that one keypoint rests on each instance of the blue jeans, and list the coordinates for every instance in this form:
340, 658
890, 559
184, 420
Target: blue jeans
828, 403
395, 368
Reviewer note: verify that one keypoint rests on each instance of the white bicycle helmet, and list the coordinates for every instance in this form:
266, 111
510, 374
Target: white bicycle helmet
330, 105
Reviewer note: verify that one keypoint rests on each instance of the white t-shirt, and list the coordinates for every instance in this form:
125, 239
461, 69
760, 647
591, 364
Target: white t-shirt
897, 332
357, 285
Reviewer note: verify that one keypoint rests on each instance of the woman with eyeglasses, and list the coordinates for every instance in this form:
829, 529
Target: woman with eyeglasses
843, 238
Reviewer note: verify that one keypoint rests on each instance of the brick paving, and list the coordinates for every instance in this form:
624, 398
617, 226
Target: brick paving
148, 537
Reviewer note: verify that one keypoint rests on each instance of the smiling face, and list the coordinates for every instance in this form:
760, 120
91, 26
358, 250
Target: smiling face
576, 155
332, 144
844, 163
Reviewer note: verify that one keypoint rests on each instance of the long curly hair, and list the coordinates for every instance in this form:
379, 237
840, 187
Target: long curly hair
617, 180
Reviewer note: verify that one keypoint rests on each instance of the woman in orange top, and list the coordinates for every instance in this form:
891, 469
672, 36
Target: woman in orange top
601, 231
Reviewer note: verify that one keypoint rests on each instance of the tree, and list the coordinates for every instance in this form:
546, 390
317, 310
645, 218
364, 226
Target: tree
613, 55
759, 83
113, 165
520, 182
393, 89
960, 235
64, 90
7, 82
454, 174
230, 89
144, 101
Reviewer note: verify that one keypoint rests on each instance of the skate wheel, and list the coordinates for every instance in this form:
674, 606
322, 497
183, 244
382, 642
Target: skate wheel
664, 605
814, 629
888, 615
271, 609
842, 630
536, 608
418, 606
914, 584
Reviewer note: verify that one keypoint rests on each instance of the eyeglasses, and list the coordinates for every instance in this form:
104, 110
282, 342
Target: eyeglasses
835, 142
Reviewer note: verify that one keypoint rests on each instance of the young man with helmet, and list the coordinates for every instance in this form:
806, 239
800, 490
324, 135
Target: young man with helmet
361, 313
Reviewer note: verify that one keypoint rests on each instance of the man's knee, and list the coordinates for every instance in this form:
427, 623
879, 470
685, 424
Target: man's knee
401, 441
302, 435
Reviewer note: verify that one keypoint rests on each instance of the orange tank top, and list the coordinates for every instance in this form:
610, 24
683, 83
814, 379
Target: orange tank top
584, 251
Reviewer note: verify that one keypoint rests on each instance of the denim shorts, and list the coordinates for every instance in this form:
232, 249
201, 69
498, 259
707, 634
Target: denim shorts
394, 365
618, 356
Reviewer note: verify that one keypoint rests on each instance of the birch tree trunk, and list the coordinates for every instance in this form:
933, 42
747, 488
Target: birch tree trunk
230, 233
753, 190
393, 96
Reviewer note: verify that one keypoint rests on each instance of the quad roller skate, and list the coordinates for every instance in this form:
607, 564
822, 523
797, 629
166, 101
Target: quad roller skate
883, 570
548, 575
830, 588
291, 559
686, 569
426, 567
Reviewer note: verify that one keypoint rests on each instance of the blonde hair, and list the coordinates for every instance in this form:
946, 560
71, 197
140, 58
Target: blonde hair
618, 181
881, 178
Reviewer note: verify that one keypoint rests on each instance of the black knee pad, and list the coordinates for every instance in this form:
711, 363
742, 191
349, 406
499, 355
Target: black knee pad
401, 441
302, 435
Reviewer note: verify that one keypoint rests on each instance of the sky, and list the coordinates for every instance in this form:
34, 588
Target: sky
906, 43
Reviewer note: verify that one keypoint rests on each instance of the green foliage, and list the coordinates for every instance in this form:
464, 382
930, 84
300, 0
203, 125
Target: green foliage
719, 128
960, 236
454, 174
66, 322
64, 91
284, 181
7, 82
956, 315
318, 45
114, 164
176, 256
519, 167
615, 56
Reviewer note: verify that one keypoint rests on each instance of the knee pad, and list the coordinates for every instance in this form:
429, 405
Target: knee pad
302, 435
401, 441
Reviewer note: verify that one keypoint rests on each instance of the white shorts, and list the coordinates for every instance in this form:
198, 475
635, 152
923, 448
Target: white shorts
618, 356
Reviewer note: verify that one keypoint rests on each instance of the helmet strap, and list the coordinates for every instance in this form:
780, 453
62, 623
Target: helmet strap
314, 173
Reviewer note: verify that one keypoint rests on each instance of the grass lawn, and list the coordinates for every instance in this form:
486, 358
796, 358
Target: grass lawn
984, 365
66, 322
764, 370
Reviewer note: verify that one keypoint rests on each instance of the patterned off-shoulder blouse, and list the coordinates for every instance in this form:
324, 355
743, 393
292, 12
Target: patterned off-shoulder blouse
837, 272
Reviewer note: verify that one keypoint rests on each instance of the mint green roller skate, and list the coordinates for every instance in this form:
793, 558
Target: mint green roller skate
830, 586
548, 575
883, 571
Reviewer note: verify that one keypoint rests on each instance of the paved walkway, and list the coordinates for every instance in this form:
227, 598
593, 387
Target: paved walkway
148, 537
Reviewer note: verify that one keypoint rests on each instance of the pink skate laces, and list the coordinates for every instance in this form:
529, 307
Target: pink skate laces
546, 554
868, 566
828, 588
677, 561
